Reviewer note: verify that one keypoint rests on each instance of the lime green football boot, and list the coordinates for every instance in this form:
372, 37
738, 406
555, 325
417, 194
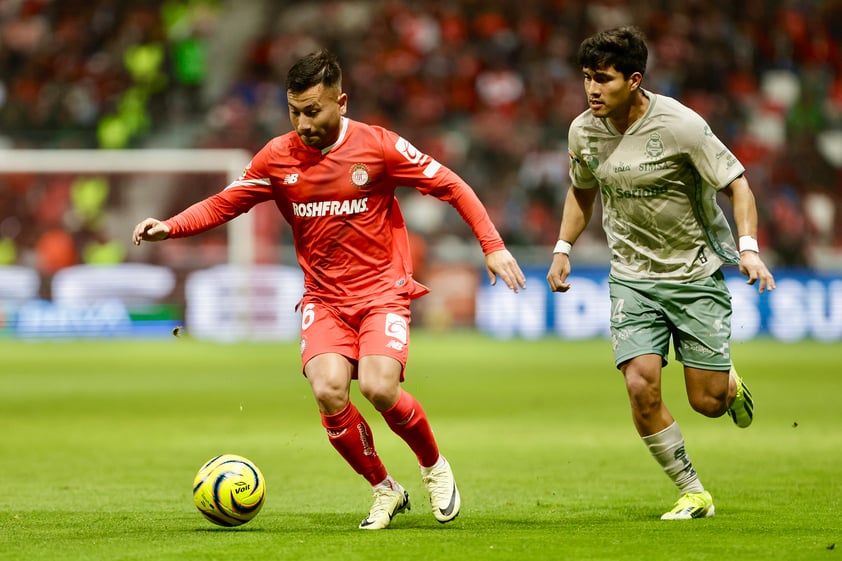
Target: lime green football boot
691, 505
742, 408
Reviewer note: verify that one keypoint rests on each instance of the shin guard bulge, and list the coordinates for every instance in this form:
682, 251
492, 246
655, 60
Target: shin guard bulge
407, 419
350, 434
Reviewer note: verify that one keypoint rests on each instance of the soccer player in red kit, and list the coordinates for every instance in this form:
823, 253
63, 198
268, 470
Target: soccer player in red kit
334, 180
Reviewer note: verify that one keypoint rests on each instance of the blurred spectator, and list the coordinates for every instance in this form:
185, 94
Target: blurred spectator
55, 250
488, 87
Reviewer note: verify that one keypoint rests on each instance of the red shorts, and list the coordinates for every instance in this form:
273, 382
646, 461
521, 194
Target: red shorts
376, 327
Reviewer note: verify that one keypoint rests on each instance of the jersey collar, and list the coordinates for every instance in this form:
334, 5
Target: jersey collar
639, 123
343, 129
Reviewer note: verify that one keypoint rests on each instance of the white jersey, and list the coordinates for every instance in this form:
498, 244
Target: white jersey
658, 182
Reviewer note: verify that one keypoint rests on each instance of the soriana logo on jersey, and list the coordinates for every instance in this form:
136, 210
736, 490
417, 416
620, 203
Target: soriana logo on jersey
409, 151
415, 156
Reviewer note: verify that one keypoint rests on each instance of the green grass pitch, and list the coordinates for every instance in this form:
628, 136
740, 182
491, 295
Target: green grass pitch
99, 443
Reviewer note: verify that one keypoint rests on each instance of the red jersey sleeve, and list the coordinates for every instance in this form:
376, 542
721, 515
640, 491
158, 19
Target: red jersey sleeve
252, 187
408, 166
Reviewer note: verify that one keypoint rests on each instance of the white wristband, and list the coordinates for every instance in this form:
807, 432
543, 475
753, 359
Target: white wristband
747, 243
562, 246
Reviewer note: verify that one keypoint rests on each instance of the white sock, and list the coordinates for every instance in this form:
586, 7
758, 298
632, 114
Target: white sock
387, 483
439, 463
667, 447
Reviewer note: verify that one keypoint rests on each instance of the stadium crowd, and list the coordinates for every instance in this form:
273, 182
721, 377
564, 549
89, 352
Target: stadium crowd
488, 87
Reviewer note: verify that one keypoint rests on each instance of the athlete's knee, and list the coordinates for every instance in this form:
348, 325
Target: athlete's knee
330, 402
379, 380
707, 392
709, 405
381, 392
644, 393
643, 396
330, 393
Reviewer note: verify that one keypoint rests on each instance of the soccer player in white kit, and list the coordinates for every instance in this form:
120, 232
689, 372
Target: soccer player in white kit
658, 168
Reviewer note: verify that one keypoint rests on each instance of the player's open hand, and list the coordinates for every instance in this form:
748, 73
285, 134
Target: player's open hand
557, 275
502, 264
753, 267
150, 230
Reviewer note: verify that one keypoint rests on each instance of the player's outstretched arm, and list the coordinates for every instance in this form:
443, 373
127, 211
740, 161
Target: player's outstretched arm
502, 264
150, 230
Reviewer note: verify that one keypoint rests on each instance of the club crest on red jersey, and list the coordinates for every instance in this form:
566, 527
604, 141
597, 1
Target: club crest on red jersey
359, 175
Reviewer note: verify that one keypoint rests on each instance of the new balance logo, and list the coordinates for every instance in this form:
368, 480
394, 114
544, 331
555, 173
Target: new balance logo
291, 179
397, 345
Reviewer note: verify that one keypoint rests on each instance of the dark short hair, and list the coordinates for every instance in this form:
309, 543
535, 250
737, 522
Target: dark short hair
624, 48
320, 67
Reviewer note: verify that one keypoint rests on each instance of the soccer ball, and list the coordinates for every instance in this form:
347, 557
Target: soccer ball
229, 490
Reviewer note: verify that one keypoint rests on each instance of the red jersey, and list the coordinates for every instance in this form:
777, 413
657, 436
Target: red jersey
350, 237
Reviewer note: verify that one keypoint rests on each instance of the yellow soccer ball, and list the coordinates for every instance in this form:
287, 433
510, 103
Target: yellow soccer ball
229, 490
